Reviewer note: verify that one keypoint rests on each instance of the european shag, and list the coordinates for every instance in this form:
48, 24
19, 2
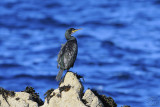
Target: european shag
68, 53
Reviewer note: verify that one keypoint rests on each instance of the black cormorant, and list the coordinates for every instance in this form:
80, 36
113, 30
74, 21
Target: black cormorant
68, 53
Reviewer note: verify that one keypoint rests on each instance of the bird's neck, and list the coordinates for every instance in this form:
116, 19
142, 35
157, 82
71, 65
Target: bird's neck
69, 37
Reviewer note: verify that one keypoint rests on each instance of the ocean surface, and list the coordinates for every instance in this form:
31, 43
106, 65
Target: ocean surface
119, 46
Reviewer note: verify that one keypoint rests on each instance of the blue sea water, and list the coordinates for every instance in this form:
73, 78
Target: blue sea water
119, 46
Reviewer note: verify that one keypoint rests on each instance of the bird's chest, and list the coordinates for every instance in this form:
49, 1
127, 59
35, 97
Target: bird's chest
71, 47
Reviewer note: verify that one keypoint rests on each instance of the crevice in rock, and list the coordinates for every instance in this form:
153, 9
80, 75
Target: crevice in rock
6, 93
48, 94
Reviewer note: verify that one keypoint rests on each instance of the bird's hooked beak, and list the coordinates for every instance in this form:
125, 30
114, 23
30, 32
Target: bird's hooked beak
76, 30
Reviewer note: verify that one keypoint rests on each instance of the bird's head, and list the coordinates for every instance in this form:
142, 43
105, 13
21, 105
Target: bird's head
69, 32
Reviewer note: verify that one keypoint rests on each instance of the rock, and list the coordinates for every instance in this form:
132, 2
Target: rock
68, 94
33, 95
91, 99
107, 101
27, 98
21, 99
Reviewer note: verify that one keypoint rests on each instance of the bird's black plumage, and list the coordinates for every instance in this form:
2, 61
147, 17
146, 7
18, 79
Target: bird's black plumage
68, 53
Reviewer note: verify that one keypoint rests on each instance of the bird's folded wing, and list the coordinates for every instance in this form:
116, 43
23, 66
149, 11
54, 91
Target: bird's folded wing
61, 52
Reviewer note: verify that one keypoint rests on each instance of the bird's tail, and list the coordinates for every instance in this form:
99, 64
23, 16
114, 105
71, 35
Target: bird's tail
59, 75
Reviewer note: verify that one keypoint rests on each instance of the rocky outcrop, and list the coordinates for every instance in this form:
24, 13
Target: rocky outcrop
91, 99
68, 94
26, 98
